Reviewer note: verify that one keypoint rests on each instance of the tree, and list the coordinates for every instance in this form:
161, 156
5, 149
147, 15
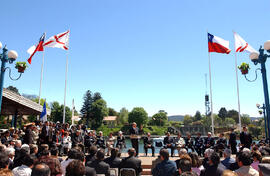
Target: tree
233, 114
217, 120
245, 119
138, 115
229, 122
206, 121
13, 89
99, 110
112, 112
197, 116
187, 120
123, 116
57, 112
255, 130
96, 96
160, 118
222, 113
86, 107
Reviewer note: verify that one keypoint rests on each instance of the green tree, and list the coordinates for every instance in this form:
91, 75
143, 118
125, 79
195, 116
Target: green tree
197, 116
112, 112
218, 121
123, 116
138, 115
229, 122
160, 118
233, 114
255, 130
57, 112
245, 119
206, 121
13, 89
222, 113
99, 110
187, 120
86, 107
96, 96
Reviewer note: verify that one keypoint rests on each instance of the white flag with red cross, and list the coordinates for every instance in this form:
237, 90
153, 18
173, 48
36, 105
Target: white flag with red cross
58, 41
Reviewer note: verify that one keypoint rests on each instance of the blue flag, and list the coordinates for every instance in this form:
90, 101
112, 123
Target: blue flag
43, 115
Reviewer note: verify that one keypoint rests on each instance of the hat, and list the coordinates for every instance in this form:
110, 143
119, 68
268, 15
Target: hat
264, 168
120, 132
209, 133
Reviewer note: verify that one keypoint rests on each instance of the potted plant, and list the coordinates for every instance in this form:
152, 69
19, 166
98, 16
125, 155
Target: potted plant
244, 67
21, 66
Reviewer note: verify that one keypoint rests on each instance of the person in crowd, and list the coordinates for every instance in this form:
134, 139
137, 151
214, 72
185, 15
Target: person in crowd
245, 138
100, 166
71, 156
196, 163
232, 141
92, 154
6, 172
166, 167
57, 140
41, 169
257, 157
46, 134
55, 153
89, 140
221, 144
6, 138
185, 167
199, 144
110, 143
77, 138
169, 143
33, 150
4, 160
208, 152
244, 162
26, 168
19, 157
134, 132
213, 169
75, 168
182, 156
100, 141
264, 166
189, 143
148, 143
229, 173
228, 160
131, 162
120, 141
209, 142
114, 161
67, 143
11, 154
179, 142
28, 137
155, 162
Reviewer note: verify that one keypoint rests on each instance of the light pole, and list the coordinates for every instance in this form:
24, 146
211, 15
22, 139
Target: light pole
265, 121
6, 56
261, 58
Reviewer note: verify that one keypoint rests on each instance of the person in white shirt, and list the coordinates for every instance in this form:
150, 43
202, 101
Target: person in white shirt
26, 168
179, 142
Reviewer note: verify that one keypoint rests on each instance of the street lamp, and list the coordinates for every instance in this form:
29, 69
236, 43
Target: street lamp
261, 58
263, 112
10, 57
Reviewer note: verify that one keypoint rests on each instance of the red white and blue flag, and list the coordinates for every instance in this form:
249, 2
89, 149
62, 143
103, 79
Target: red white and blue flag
217, 44
33, 49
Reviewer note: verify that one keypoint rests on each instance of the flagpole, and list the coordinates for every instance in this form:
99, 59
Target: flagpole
41, 77
72, 117
237, 87
211, 96
65, 91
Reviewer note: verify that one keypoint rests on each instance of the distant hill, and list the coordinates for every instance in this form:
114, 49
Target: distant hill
176, 118
255, 118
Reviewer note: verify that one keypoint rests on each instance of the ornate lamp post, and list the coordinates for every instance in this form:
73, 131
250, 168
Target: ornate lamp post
261, 58
10, 57
264, 116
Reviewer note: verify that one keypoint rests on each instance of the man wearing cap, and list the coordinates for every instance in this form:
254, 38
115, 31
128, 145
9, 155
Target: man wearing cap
134, 132
121, 141
209, 142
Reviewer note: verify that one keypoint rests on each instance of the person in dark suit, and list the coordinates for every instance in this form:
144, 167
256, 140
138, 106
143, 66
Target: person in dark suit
100, 143
100, 166
114, 161
169, 143
92, 154
148, 143
77, 139
213, 169
245, 138
199, 144
89, 140
131, 162
120, 141
57, 141
29, 136
134, 140
189, 142
221, 144
209, 142
232, 142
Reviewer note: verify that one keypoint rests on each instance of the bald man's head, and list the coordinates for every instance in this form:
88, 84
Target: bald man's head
41, 170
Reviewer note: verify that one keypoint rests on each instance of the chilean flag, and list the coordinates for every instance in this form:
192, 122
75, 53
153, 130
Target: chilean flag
33, 49
217, 44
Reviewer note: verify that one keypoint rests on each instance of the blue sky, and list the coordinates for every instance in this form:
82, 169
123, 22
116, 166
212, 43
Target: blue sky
151, 54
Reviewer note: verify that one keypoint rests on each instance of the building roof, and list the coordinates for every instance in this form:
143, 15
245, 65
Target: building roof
12, 102
110, 118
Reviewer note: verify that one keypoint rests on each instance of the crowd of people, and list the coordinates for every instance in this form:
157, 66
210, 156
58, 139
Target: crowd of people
54, 149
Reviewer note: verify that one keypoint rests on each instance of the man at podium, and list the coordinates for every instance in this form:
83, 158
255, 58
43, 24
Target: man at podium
134, 137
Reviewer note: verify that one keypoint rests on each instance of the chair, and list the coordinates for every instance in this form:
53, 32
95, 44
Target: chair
159, 144
127, 172
114, 171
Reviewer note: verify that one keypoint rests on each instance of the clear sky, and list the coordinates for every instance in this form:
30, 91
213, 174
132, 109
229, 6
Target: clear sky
146, 53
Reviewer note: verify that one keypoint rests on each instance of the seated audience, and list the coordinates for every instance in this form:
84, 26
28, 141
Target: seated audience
41, 170
169, 143
71, 156
229, 173
92, 154
213, 168
196, 163
100, 166
185, 167
26, 168
131, 162
75, 168
257, 157
110, 143
166, 167
244, 162
114, 161
228, 160
148, 143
